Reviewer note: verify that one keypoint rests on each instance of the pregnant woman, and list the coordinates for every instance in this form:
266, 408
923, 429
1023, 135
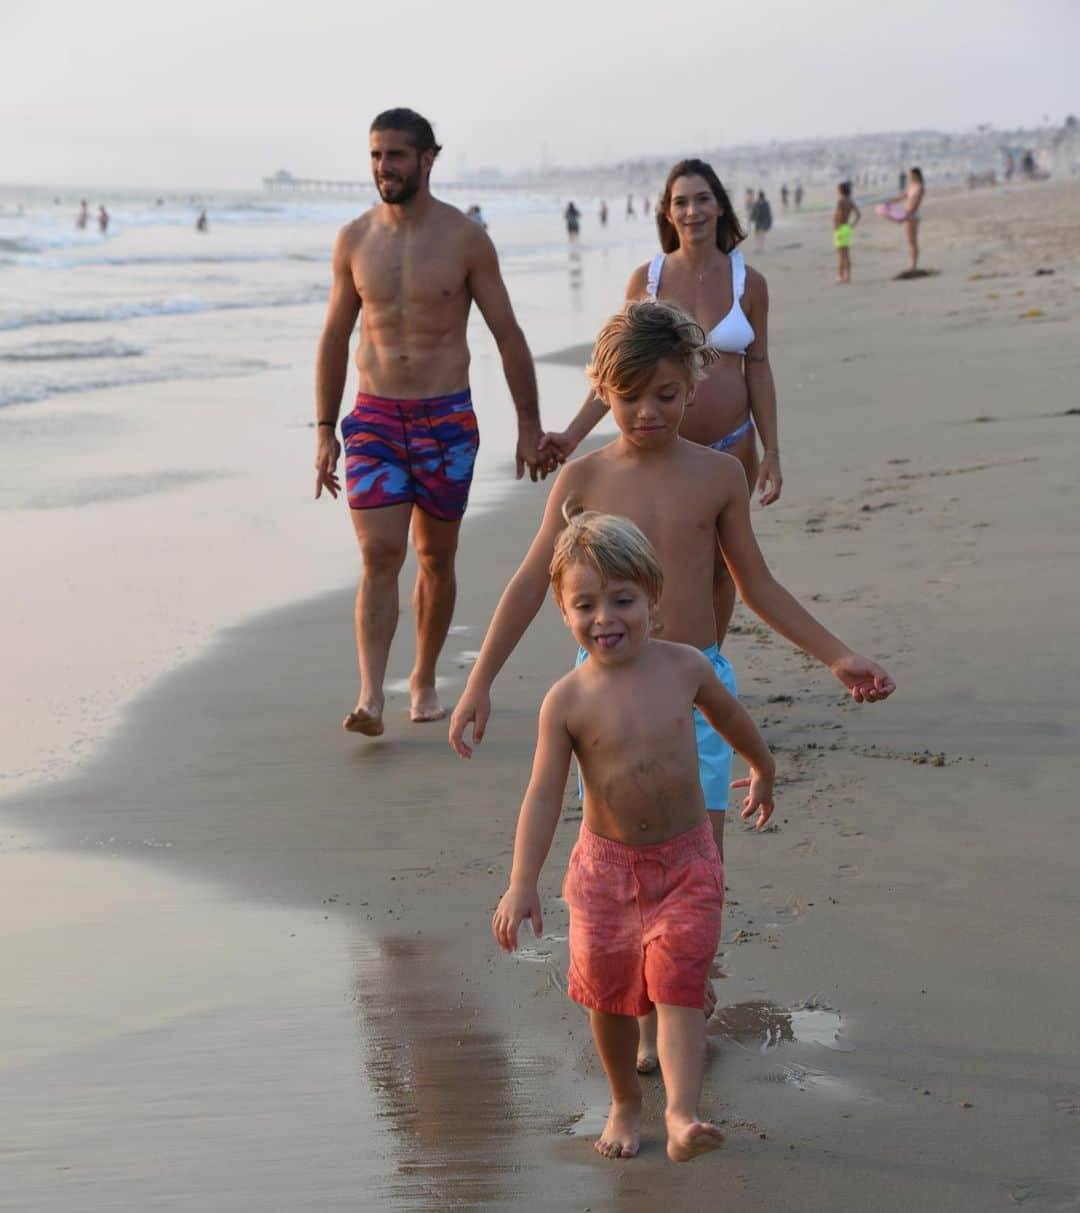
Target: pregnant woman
702, 270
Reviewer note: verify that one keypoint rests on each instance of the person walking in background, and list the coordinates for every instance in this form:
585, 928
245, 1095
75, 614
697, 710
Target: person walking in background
573, 220
846, 215
102, 220
202, 224
701, 268
760, 220
603, 214
798, 196
83, 217
749, 204
784, 196
630, 206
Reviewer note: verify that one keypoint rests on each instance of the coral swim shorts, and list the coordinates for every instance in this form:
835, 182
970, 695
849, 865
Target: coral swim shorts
644, 921
418, 451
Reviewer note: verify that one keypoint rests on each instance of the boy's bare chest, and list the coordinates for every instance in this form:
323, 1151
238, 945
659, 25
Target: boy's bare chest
631, 729
677, 515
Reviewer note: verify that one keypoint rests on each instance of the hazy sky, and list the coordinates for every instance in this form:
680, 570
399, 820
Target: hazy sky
221, 93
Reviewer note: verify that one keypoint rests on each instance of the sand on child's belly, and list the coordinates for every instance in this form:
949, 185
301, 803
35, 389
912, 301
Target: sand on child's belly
648, 801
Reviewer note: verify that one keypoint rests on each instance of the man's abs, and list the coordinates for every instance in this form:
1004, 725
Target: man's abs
412, 365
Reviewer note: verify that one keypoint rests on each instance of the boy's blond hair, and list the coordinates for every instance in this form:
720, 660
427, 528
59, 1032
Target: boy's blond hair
613, 546
634, 341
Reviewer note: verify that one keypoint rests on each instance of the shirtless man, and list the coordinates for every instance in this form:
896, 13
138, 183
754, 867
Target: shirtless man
415, 265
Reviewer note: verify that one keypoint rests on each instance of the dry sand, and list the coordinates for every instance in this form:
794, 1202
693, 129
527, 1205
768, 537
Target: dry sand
900, 961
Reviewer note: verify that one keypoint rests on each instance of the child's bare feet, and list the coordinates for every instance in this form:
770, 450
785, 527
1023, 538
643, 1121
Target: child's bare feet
687, 1138
364, 719
425, 706
647, 1060
621, 1137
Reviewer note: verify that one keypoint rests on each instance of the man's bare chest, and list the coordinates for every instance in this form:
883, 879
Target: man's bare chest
415, 274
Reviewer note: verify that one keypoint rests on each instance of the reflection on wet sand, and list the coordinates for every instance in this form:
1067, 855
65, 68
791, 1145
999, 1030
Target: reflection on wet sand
764, 1025
577, 276
441, 1076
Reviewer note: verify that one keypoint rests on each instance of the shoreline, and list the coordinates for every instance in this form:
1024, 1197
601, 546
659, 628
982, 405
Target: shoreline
896, 1017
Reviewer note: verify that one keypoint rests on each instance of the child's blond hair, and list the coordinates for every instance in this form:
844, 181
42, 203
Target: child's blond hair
613, 546
634, 341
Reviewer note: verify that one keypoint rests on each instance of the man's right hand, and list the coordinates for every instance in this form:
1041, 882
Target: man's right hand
327, 453
474, 707
529, 455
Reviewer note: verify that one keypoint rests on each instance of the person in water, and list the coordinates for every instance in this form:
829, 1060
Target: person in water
701, 268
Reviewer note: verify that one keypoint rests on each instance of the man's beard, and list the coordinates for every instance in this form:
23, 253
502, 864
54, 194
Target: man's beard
400, 191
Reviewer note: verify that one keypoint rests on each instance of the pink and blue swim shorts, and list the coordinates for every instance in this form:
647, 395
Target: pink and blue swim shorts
411, 451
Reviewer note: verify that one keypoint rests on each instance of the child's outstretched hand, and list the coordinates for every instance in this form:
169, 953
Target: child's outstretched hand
760, 797
865, 679
515, 905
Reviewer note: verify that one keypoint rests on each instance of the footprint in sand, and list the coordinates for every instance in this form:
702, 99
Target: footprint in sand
847, 869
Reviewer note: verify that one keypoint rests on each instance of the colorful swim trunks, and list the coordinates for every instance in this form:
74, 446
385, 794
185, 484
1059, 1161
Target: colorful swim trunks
419, 451
842, 236
714, 752
644, 921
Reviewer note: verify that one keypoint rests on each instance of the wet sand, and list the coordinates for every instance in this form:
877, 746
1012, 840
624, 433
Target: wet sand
899, 963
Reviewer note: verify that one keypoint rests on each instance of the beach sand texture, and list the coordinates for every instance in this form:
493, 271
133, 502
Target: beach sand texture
248, 960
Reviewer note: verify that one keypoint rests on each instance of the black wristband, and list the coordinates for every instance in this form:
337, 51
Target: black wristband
331, 424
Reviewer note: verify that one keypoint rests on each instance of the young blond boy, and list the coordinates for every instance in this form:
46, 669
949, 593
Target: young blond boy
645, 884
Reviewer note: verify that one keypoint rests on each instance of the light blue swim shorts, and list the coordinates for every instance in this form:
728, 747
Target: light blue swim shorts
714, 753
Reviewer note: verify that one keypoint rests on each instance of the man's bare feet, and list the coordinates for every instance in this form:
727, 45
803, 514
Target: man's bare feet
621, 1137
425, 706
687, 1138
364, 720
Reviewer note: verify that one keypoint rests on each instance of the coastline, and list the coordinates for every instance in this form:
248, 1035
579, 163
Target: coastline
901, 902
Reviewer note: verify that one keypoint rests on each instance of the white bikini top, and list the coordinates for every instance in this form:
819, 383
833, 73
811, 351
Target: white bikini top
732, 335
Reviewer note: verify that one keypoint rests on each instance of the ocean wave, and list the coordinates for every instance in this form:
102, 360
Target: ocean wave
42, 261
177, 306
70, 351
31, 390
